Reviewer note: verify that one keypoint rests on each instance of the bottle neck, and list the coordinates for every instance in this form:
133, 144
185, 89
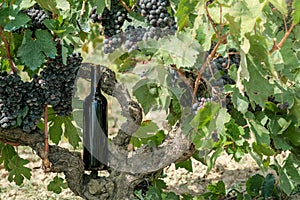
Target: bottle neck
98, 84
93, 81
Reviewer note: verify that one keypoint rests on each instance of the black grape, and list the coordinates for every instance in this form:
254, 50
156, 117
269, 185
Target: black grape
156, 13
37, 16
59, 82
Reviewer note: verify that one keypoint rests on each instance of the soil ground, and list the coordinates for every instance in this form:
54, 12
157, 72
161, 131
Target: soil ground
179, 181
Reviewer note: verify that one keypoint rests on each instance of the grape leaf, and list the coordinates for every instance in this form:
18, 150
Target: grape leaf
187, 164
57, 184
263, 149
7, 153
170, 196
258, 88
33, 51
153, 193
55, 130
280, 5
71, 132
268, 186
18, 170
48, 5
17, 22
205, 115
296, 12
254, 185
181, 49
185, 9
143, 95
146, 130
260, 132
286, 183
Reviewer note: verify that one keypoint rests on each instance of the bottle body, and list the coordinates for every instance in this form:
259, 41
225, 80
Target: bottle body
95, 128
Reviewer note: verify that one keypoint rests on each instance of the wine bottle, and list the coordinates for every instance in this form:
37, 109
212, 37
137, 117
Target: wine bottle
95, 127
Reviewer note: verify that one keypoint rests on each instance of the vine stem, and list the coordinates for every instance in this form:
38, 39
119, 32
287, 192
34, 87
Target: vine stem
9, 142
46, 135
205, 64
286, 35
83, 8
45, 161
7, 49
125, 5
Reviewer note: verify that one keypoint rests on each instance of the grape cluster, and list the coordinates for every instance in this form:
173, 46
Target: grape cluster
11, 96
35, 101
201, 101
59, 82
112, 20
132, 36
156, 13
94, 16
113, 43
21, 103
37, 16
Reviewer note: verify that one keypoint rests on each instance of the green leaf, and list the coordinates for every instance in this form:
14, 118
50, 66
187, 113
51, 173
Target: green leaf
18, 21
187, 164
56, 185
26, 4
33, 51
260, 132
183, 52
48, 5
18, 170
258, 88
205, 115
7, 153
71, 132
280, 5
286, 183
263, 149
184, 10
239, 101
170, 196
296, 12
153, 193
146, 130
217, 188
144, 97
268, 186
254, 185
213, 158
55, 130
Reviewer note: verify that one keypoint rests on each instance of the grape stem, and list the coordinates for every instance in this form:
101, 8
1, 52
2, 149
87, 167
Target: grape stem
45, 161
7, 49
279, 45
125, 6
10, 143
206, 63
83, 8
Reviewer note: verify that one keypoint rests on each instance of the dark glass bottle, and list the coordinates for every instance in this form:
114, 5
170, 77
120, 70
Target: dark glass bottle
95, 127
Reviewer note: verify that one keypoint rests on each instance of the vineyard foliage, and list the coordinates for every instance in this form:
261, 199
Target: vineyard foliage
227, 70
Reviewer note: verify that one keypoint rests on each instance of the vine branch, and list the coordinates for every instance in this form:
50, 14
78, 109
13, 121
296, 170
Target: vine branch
125, 6
279, 45
7, 49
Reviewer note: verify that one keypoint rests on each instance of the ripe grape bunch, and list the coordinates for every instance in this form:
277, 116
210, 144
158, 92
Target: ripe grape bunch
156, 13
37, 16
59, 82
132, 36
112, 20
18, 107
